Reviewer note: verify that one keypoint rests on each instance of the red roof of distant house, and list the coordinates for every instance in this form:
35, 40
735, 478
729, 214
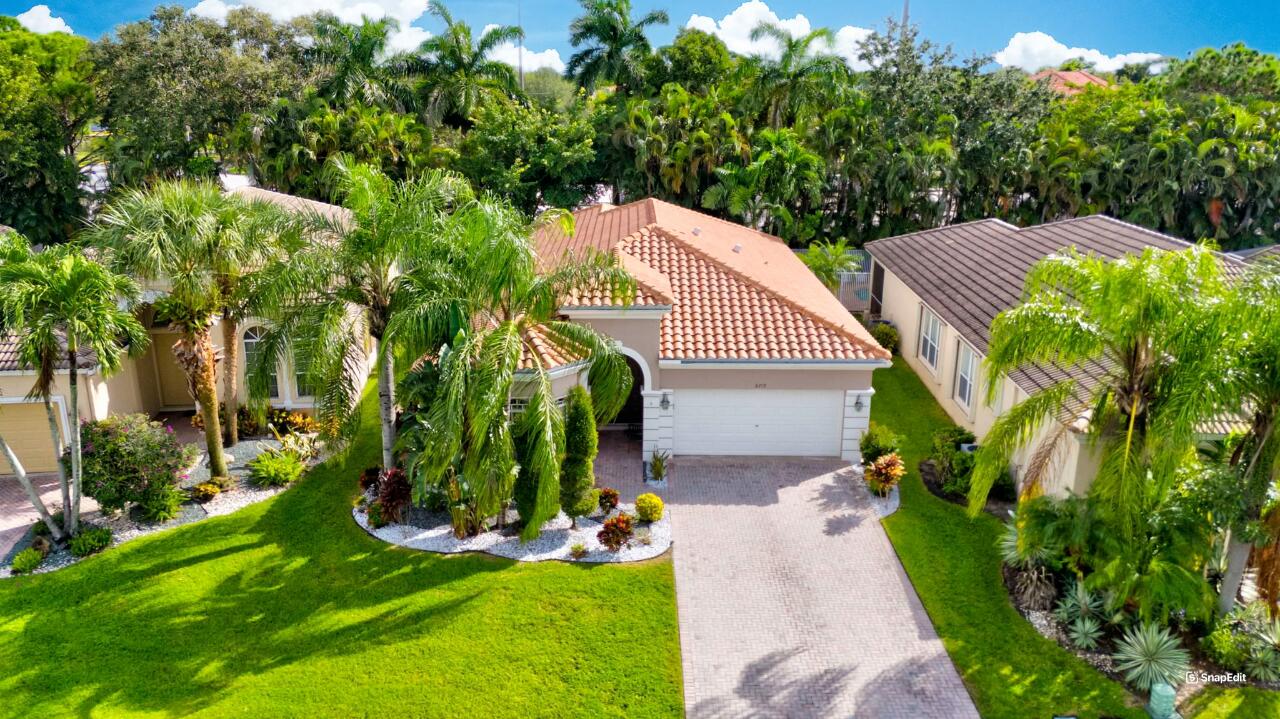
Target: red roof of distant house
1069, 82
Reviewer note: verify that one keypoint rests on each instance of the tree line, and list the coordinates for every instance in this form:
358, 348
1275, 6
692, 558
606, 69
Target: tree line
801, 145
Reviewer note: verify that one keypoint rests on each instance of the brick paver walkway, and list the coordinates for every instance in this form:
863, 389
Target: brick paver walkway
792, 602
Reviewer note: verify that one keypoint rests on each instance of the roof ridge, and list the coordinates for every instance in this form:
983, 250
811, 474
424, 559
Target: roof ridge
1186, 244
812, 316
941, 228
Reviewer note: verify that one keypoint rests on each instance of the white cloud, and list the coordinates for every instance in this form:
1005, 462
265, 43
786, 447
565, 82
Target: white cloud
735, 30
40, 19
406, 12
1034, 50
533, 60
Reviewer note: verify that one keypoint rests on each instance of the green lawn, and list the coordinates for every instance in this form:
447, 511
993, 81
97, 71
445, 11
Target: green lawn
1234, 703
1010, 669
288, 609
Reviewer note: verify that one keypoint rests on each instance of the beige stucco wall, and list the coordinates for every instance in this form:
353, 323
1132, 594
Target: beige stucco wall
1075, 463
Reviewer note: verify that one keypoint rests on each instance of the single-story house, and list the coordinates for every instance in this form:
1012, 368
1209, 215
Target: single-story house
151, 383
735, 347
943, 287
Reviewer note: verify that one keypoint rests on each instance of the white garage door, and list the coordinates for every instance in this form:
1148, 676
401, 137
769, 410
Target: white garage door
758, 422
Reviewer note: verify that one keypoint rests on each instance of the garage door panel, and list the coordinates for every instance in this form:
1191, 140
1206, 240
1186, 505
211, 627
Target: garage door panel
26, 428
758, 422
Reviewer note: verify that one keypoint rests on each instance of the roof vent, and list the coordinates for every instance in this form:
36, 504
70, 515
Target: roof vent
737, 248
697, 231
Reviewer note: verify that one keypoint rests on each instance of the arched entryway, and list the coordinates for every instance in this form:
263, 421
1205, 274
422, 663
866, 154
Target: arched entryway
632, 413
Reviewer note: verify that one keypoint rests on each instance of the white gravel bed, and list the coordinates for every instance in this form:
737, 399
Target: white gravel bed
553, 544
125, 528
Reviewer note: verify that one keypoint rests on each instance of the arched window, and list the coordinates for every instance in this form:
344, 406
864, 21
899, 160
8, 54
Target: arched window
252, 347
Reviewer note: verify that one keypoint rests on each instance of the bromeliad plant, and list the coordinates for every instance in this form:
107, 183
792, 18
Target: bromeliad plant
487, 308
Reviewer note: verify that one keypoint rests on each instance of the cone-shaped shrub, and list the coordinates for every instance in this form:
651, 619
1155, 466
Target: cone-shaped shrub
577, 472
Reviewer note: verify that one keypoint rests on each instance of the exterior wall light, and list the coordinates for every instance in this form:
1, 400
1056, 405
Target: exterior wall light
665, 404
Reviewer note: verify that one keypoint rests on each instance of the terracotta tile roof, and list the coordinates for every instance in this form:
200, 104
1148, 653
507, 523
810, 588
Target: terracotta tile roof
736, 293
968, 273
1069, 82
652, 288
293, 203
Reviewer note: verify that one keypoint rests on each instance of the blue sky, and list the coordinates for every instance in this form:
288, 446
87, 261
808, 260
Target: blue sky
1029, 33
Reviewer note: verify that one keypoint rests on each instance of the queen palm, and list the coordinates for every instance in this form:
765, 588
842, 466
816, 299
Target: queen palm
65, 311
1256, 382
343, 282
201, 243
617, 45
458, 71
1159, 355
495, 307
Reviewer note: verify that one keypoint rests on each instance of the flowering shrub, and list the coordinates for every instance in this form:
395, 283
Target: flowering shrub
131, 459
649, 507
608, 499
884, 473
285, 421
617, 532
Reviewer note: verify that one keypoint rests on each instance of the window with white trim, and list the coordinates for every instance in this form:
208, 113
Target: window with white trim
301, 368
252, 348
930, 335
966, 369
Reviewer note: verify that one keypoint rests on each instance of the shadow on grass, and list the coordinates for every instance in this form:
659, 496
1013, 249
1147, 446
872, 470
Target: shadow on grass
206, 604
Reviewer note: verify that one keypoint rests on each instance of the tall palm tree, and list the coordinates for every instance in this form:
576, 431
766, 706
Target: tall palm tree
493, 306
66, 311
773, 191
1161, 361
201, 244
788, 81
457, 70
342, 283
354, 64
1254, 460
616, 45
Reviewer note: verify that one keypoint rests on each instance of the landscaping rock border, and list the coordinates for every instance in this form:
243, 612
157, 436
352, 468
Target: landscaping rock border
125, 528
552, 545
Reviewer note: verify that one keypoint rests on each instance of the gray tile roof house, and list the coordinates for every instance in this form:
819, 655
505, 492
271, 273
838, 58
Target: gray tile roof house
968, 273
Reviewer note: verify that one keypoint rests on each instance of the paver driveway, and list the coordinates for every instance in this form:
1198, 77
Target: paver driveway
792, 601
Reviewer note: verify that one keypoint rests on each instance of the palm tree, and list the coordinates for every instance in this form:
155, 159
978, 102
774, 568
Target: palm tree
352, 58
786, 82
617, 45
202, 244
828, 260
458, 72
66, 311
488, 299
330, 294
1160, 355
1253, 460
773, 191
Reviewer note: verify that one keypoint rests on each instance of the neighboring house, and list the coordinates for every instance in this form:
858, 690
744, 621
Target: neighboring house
1266, 253
735, 346
151, 383
1069, 82
942, 288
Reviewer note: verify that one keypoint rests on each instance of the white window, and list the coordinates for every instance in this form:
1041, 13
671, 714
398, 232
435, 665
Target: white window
966, 364
930, 334
252, 347
516, 405
300, 369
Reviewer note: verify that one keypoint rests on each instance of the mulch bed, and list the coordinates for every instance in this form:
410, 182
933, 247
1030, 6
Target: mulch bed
995, 507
